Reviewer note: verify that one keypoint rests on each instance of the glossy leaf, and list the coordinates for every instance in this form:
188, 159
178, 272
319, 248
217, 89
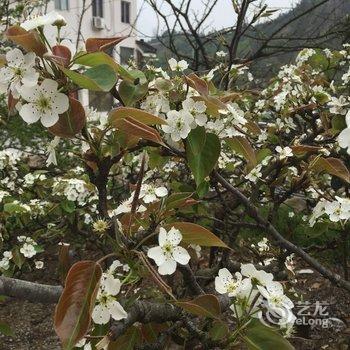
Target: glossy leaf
30, 41
200, 85
133, 127
205, 305
260, 337
102, 44
177, 200
61, 55
70, 123
242, 146
196, 234
97, 78
301, 150
202, 151
74, 308
97, 58
118, 114
131, 92
333, 166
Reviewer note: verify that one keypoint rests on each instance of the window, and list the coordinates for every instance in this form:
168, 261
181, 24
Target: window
97, 8
62, 4
125, 54
125, 12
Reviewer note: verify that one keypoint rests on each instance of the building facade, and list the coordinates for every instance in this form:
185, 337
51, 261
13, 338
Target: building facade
100, 18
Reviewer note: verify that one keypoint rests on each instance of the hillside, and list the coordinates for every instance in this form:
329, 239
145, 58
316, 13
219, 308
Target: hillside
328, 25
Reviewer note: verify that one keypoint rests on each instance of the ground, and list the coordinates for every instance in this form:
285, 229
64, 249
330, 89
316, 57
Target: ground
32, 323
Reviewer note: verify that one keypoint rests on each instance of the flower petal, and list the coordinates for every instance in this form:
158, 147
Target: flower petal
161, 191
156, 253
117, 311
60, 103
100, 314
29, 113
181, 255
174, 236
49, 119
162, 237
167, 268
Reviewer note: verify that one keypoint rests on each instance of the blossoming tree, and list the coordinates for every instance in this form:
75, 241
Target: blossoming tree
164, 184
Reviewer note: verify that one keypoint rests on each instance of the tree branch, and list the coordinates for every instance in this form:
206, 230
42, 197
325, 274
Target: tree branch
34, 292
253, 213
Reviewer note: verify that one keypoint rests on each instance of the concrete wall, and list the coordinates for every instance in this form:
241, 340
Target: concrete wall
113, 26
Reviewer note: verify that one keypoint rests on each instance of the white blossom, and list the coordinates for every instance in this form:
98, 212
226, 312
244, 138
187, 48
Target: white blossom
225, 283
106, 308
28, 250
150, 193
19, 70
275, 297
168, 253
51, 150
284, 152
221, 53
52, 18
258, 276
197, 110
179, 124
177, 66
156, 104
44, 102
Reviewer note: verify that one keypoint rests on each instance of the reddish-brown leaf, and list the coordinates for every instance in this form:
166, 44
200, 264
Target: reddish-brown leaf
102, 44
61, 55
196, 234
205, 305
133, 127
71, 122
74, 308
30, 41
300, 150
198, 84
117, 115
333, 166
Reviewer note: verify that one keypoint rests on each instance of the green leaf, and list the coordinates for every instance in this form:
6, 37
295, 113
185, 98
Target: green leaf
260, 337
262, 154
68, 206
203, 189
127, 341
17, 257
196, 234
202, 151
14, 208
131, 92
97, 78
333, 166
339, 123
196, 140
205, 305
74, 308
98, 58
242, 146
176, 200
218, 331
5, 329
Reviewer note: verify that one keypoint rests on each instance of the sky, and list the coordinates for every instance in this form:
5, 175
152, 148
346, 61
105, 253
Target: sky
222, 16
